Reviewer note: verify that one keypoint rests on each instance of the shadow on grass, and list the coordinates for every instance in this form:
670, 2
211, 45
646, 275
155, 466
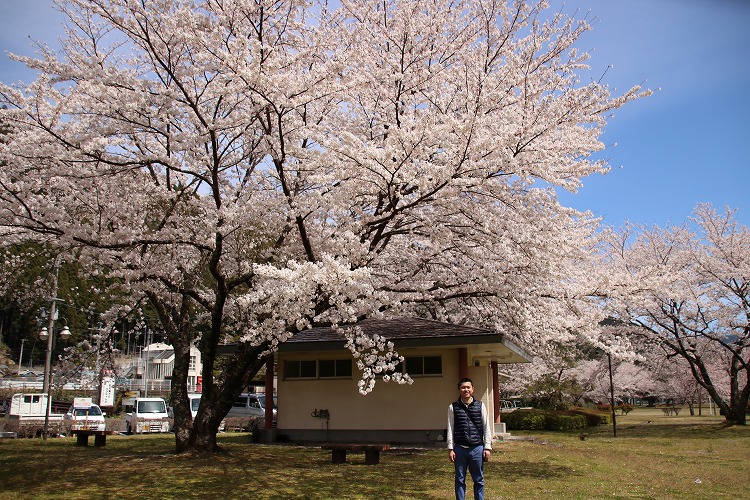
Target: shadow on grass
523, 469
660, 430
147, 466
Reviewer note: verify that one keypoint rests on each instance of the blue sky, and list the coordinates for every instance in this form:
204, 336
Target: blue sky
686, 144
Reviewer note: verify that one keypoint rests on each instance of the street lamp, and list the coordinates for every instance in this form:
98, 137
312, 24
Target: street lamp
48, 334
44, 334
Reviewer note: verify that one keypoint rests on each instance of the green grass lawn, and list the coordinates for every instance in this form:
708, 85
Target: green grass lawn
654, 456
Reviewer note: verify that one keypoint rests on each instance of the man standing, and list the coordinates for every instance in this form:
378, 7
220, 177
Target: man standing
469, 439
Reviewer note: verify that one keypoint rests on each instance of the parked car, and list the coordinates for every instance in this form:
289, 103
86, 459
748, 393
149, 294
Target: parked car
89, 417
250, 405
146, 415
195, 401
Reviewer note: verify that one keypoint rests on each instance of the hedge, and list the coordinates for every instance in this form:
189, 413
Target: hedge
533, 419
593, 417
524, 419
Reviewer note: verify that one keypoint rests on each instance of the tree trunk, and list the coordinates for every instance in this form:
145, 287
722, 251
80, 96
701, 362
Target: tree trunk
218, 396
183, 418
734, 410
203, 436
176, 322
738, 398
740, 416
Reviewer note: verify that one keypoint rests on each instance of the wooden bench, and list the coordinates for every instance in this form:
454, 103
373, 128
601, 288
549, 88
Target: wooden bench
671, 410
372, 452
82, 437
7, 435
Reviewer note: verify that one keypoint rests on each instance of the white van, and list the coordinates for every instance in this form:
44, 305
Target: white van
195, 402
147, 415
249, 404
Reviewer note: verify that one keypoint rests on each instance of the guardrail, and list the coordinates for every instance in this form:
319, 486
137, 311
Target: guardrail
30, 386
122, 384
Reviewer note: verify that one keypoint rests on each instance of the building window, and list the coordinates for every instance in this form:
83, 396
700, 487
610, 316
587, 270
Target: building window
335, 368
300, 369
423, 365
324, 368
192, 363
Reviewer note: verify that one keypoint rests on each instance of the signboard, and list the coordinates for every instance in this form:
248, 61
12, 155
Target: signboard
128, 398
82, 402
107, 394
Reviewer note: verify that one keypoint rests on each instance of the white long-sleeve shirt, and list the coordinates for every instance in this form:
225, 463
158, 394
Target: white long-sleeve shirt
486, 427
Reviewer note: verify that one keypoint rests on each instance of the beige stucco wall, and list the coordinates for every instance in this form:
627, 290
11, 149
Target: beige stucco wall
422, 405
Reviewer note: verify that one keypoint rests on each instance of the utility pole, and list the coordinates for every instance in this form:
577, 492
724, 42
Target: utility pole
48, 359
20, 357
612, 396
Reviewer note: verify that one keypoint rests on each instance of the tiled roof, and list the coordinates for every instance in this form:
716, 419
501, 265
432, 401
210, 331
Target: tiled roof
402, 331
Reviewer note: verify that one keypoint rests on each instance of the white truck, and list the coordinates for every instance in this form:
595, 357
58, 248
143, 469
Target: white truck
85, 415
27, 413
147, 415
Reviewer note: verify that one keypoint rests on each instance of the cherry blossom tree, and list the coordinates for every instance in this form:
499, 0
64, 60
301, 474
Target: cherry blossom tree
575, 372
631, 380
675, 381
256, 167
687, 292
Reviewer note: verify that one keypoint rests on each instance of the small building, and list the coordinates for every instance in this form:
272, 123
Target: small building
319, 401
158, 360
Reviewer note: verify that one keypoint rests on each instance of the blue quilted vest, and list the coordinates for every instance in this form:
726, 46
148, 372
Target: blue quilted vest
467, 423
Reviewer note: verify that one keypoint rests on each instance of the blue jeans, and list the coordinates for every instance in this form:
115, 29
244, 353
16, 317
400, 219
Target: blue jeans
470, 458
